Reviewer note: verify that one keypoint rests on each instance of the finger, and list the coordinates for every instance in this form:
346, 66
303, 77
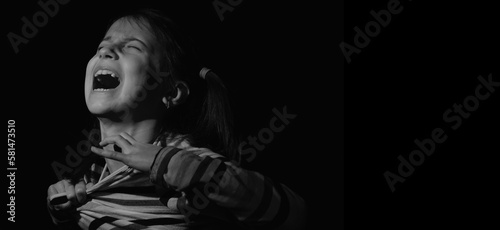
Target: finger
109, 154
64, 206
54, 191
81, 191
118, 140
89, 185
51, 191
56, 188
61, 206
70, 192
127, 137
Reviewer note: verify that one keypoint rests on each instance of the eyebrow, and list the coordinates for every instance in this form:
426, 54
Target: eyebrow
128, 39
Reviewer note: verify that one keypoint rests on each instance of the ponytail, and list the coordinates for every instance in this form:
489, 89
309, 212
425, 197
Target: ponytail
215, 124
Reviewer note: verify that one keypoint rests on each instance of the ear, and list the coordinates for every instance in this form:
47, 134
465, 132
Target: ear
180, 97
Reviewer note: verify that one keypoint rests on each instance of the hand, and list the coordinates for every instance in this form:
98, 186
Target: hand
134, 154
75, 193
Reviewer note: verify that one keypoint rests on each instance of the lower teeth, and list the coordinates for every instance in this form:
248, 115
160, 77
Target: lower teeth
100, 89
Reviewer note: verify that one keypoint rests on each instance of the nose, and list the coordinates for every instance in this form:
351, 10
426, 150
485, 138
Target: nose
108, 52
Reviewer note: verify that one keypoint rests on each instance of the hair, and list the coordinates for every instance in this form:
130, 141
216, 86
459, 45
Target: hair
205, 119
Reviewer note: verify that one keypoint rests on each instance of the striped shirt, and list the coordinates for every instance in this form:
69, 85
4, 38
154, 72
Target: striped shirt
187, 188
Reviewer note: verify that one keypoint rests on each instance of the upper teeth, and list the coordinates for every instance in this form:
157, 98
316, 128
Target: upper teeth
104, 72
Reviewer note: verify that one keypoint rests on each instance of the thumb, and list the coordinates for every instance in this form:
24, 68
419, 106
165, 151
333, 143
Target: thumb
89, 185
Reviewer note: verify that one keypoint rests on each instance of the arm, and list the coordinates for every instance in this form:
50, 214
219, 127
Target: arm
253, 199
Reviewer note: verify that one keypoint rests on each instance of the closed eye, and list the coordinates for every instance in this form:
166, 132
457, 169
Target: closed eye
101, 46
133, 47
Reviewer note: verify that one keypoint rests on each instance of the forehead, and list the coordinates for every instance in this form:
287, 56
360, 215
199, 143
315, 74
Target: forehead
125, 28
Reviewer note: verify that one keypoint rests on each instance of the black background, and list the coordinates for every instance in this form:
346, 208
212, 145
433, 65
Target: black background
270, 54
397, 89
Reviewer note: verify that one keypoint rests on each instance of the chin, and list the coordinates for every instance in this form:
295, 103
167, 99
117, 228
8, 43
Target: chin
106, 109
98, 109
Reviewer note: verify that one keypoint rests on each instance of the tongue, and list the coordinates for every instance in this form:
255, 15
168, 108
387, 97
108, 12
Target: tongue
106, 82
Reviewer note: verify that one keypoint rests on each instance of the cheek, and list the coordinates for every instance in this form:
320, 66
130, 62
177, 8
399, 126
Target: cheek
88, 76
136, 88
135, 72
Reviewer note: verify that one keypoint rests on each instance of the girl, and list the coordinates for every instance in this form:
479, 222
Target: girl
166, 141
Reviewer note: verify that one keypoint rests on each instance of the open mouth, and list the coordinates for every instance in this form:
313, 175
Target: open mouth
105, 80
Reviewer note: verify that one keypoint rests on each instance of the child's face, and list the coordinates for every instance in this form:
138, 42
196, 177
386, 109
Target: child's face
126, 54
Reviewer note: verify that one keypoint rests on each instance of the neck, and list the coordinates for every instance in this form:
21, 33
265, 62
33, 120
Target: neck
143, 131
